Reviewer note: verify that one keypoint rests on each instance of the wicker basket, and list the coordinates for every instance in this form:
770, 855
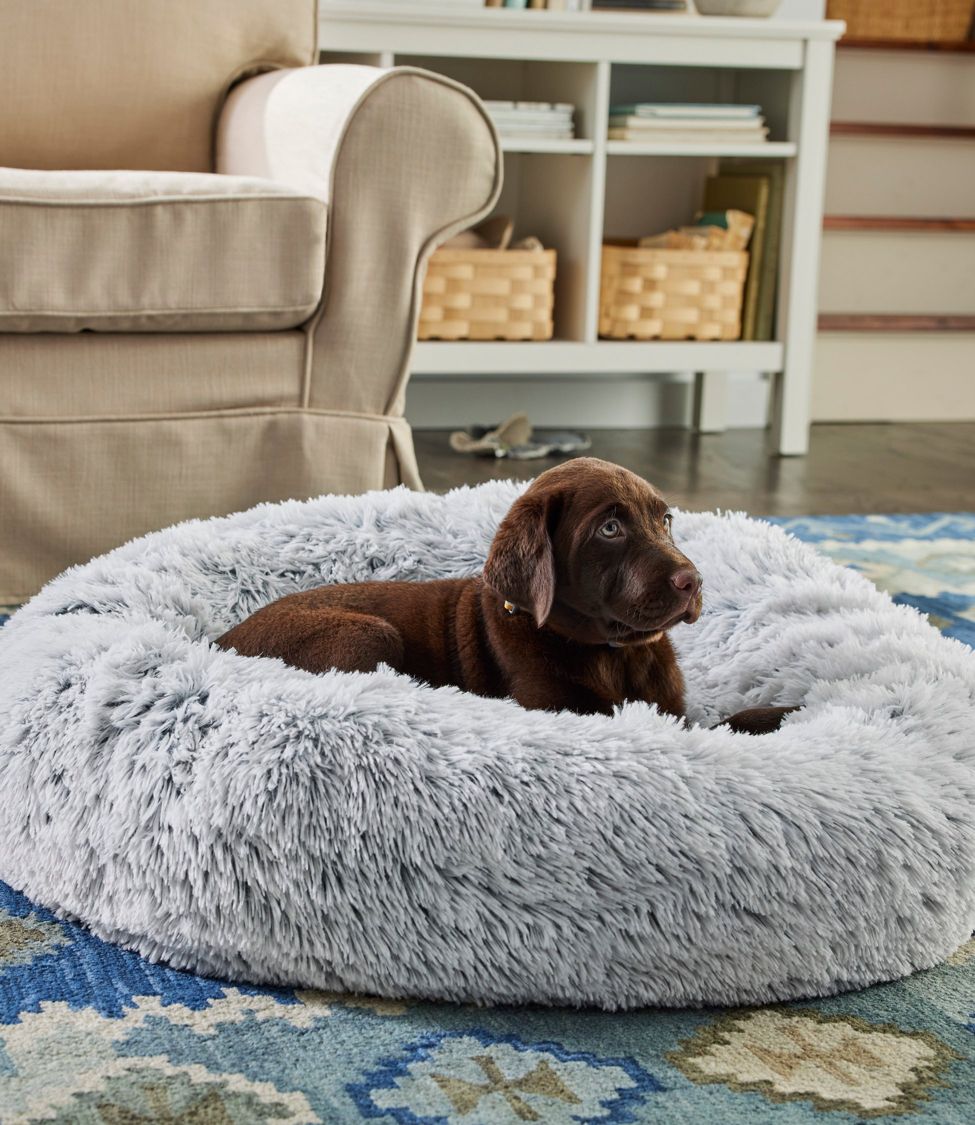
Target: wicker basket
930, 21
650, 294
488, 295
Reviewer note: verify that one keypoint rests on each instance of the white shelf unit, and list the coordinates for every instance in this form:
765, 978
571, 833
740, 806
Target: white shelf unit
573, 194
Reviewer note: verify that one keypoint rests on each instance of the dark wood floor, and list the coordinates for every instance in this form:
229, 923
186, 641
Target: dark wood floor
921, 467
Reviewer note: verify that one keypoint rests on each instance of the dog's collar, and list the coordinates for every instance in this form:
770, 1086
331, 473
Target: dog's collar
510, 608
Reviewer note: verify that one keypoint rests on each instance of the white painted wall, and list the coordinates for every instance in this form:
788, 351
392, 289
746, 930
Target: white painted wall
596, 402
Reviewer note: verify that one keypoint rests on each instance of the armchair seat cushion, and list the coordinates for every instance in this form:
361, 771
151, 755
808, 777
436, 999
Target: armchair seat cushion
156, 252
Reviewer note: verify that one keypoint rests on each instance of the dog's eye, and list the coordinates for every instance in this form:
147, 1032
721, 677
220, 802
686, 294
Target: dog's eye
611, 529
668, 520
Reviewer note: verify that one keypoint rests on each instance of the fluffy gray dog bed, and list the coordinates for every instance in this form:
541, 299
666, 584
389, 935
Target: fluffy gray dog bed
244, 819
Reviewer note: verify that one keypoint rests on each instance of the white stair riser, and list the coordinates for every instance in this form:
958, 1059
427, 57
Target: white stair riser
904, 87
921, 177
897, 272
894, 377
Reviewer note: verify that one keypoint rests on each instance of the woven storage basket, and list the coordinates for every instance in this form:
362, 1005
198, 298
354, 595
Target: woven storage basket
933, 21
488, 295
650, 294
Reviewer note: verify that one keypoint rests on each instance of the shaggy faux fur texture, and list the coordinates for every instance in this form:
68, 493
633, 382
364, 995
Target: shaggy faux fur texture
362, 832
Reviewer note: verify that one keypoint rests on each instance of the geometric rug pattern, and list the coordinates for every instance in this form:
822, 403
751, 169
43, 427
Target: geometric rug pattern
91, 1034
925, 561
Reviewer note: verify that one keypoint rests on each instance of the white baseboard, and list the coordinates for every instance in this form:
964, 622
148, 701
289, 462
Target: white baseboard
590, 402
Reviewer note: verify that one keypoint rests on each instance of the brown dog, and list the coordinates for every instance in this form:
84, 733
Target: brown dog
581, 584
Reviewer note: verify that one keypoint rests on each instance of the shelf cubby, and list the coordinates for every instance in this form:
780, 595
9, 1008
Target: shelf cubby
518, 80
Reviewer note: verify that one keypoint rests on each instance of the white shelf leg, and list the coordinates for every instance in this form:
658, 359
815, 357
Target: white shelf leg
802, 232
710, 414
597, 200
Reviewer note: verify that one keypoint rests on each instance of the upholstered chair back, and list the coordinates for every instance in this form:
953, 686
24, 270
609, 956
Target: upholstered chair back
134, 83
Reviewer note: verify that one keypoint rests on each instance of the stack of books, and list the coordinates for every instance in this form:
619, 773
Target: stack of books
554, 5
651, 122
536, 121
758, 188
642, 5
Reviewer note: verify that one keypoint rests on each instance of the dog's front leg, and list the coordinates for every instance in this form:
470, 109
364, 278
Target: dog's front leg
549, 694
757, 720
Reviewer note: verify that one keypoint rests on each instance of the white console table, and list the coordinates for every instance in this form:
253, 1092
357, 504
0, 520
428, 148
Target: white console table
573, 193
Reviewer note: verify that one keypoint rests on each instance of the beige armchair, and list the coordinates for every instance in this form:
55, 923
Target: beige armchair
230, 318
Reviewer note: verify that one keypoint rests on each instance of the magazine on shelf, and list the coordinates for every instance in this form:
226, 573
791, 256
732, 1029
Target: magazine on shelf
751, 195
686, 125
540, 120
685, 110
698, 137
768, 268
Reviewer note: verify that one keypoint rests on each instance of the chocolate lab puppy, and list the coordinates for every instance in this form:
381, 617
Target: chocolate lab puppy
581, 584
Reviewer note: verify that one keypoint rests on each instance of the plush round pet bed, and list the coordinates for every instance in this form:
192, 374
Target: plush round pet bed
362, 832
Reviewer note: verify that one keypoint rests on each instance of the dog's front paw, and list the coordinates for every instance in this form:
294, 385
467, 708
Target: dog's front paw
757, 720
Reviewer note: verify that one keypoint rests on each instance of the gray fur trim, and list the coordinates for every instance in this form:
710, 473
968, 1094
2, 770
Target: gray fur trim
240, 818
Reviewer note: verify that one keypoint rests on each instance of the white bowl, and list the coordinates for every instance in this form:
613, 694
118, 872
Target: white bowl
736, 7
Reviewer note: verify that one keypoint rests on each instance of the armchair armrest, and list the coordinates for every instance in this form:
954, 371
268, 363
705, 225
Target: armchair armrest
404, 159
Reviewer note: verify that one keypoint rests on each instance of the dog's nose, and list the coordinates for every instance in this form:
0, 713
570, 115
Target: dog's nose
686, 581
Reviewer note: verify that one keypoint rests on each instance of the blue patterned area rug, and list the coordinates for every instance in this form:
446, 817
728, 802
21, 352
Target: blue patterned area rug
91, 1034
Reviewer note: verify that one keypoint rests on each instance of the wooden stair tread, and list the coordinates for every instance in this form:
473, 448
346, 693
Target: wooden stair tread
895, 223
892, 129
894, 322
960, 46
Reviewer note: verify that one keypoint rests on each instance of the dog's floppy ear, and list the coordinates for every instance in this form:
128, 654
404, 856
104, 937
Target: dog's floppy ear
520, 565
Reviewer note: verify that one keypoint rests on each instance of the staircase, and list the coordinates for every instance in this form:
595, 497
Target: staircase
897, 285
